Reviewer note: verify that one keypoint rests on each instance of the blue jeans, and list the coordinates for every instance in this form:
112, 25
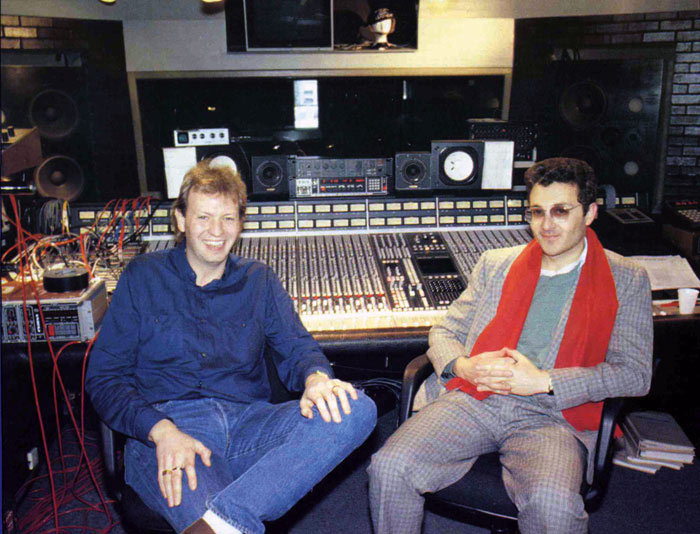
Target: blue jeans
265, 457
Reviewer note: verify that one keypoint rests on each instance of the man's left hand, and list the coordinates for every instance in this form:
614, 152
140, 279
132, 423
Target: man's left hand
324, 393
527, 378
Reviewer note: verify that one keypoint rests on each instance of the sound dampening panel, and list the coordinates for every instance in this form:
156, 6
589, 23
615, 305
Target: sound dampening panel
606, 112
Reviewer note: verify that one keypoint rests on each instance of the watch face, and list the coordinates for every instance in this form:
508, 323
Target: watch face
458, 166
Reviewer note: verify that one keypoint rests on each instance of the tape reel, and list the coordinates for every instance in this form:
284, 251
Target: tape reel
65, 279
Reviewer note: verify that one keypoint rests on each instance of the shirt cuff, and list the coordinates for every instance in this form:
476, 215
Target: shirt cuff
448, 372
145, 422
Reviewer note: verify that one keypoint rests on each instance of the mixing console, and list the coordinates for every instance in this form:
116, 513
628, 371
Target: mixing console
360, 281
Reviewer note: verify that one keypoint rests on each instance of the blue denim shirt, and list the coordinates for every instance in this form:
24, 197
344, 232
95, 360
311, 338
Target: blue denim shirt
165, 338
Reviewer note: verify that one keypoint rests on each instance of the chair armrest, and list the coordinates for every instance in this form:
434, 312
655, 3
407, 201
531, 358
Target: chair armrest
415, 374
604, 450
109, 451
113, 474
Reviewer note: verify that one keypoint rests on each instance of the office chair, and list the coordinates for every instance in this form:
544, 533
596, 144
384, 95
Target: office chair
480, 497
136, 516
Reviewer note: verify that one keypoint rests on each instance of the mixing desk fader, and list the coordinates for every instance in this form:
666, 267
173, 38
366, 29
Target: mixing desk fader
359, 281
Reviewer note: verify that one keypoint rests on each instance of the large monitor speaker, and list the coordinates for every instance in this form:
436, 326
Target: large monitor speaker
606, 112
54, 101
412, 171
270, 176
83, 118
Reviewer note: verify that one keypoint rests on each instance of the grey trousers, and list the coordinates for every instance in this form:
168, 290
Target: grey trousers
543, 463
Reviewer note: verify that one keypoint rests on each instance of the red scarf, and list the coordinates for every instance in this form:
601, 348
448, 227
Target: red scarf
588, 328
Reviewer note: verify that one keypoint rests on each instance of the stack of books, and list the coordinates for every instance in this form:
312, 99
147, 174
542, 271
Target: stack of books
653, 440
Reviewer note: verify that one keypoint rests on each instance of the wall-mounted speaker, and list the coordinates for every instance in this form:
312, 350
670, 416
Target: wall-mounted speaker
606, 112
456, 165
81, 110
412, 171
270, 175
54, 100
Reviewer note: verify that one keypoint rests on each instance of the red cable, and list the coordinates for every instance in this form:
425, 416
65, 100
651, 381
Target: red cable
56, 374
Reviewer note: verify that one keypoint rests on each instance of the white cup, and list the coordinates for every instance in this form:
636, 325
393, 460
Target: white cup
686, 300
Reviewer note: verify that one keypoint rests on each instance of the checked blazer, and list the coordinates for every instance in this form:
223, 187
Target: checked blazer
625, 372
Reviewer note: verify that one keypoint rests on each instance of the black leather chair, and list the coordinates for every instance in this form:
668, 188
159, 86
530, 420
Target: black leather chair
480, 497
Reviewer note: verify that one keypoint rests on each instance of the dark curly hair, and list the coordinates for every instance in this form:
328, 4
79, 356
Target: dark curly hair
564, 171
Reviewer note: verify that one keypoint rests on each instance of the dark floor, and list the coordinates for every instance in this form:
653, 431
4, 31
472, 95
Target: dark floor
636, 502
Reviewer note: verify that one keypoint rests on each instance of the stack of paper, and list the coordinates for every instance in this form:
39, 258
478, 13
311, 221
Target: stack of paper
653, 440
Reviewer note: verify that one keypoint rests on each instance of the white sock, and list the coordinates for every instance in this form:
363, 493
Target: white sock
218, 525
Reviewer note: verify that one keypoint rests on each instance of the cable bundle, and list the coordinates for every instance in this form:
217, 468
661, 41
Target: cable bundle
54, 505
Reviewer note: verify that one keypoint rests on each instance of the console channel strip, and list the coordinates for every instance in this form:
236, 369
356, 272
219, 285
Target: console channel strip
376, 281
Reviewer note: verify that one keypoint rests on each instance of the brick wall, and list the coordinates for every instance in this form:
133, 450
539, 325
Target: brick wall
39, 33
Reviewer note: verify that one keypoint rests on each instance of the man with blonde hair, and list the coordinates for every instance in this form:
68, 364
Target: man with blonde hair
179, 368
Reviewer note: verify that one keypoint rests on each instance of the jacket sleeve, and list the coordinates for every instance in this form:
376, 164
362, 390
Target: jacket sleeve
112, 363
448, 338
626, 371
296, 352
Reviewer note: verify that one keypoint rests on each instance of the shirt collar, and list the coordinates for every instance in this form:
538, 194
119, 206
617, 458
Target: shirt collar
568, 268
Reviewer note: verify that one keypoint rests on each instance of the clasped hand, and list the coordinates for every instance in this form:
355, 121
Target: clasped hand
503, 372
324, 393
176, 452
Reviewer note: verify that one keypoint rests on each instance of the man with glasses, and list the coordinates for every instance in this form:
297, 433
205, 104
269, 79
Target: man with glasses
523, 359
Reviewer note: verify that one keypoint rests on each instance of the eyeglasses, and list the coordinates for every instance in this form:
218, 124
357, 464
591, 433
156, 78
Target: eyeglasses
559, 213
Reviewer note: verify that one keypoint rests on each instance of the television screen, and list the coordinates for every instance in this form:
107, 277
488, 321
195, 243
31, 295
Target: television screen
284, 24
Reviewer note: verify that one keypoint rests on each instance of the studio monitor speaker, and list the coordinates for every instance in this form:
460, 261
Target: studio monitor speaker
412, 171
231, 156
270, 176
606, 112
456, 165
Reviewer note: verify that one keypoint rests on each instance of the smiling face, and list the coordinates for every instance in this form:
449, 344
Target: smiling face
562, 241
211, 226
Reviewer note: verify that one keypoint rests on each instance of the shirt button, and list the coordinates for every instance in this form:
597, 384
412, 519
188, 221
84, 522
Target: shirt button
200, 384
203, 354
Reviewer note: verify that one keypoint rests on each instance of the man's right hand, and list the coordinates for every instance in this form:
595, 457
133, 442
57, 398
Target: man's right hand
488, 371
176, 451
